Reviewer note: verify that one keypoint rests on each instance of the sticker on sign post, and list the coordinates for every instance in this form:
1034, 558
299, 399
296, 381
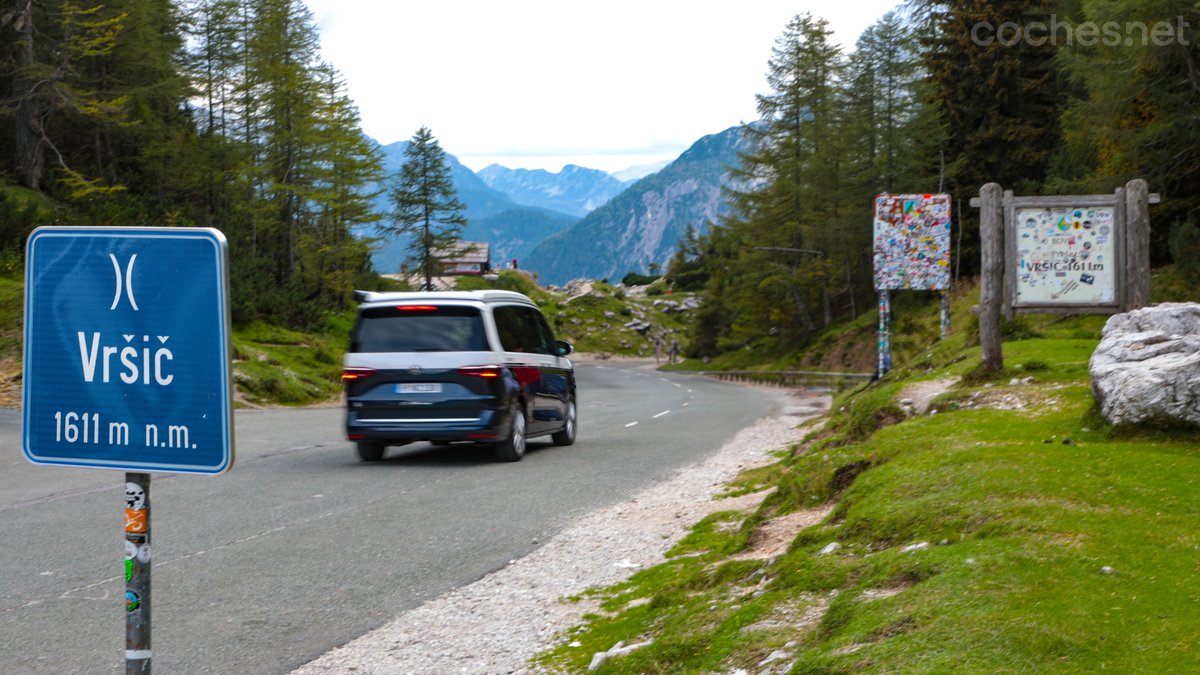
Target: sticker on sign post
127, 350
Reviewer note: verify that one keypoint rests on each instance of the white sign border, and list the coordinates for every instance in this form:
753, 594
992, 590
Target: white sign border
221, 250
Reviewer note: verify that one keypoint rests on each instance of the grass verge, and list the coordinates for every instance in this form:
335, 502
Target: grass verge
1010, 531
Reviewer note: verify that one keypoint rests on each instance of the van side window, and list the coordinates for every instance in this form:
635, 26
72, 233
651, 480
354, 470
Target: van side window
547, 336
539, 333
518, 333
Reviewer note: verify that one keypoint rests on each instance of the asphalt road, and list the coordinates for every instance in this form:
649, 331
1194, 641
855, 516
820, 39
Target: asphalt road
302, 547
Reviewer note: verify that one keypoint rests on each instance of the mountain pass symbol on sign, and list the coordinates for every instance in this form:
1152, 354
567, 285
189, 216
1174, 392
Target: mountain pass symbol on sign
128, 281
127, 350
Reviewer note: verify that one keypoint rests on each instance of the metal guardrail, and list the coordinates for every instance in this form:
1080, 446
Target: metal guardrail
784, 378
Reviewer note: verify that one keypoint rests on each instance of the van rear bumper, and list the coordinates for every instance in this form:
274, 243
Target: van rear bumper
491, 424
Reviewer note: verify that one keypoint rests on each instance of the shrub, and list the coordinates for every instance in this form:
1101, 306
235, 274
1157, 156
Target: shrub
635, 279
1185, 248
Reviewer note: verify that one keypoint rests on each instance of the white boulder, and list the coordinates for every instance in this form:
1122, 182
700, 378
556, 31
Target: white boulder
1147, 367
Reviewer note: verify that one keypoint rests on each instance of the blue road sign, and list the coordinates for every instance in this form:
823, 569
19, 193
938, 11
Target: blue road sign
127, 349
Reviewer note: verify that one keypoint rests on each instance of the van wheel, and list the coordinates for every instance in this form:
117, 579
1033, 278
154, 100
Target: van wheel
370, 452
567, 435
512, 449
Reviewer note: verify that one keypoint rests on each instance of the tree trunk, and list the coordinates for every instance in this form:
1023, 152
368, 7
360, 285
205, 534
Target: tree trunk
29, 134
803, 311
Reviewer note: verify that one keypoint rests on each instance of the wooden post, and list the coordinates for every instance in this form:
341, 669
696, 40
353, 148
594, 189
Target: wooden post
1137, 244
991, 281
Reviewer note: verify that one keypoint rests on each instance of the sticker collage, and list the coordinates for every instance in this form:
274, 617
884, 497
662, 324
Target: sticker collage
912, 242
1067, 255
912, 252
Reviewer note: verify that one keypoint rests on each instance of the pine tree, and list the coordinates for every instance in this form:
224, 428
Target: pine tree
424, 204
787, 182
52, 94
1001, 104
1134, 116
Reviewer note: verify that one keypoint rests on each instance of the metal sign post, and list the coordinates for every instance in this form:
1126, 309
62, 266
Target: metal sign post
127, 367
137, 574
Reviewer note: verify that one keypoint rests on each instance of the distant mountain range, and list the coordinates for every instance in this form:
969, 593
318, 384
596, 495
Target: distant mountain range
630, 218
644, 223
482, 202
574, 191
636, 173
514, 232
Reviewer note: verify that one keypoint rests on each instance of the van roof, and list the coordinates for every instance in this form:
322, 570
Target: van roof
372, 297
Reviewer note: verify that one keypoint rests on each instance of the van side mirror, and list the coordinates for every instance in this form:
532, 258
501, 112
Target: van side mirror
565, 348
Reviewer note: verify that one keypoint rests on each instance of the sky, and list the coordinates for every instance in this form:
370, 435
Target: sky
539, 85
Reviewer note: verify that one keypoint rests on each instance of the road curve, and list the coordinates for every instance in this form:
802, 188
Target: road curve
301, 547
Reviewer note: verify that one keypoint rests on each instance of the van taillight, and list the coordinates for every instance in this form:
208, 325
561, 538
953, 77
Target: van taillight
480, 371
357, 373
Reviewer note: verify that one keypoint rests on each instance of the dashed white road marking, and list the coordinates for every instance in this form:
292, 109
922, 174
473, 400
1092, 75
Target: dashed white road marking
660, 414
630, 424
685, 402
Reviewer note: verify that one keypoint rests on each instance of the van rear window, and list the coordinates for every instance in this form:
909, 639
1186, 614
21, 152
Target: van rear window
426, 329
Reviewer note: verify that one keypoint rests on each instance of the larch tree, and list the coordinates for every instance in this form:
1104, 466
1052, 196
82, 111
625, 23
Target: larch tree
781, 206
425, 208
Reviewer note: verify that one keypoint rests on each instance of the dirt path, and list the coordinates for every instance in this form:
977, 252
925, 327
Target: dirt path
922, 393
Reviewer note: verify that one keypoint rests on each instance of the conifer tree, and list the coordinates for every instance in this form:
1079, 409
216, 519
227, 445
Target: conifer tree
1001, 103
785, 204
424, 206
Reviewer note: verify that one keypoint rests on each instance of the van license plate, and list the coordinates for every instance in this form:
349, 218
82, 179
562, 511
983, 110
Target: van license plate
433, 388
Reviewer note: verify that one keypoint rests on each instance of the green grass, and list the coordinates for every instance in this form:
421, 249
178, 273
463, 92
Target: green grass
1028, 526
584, 322
275, 366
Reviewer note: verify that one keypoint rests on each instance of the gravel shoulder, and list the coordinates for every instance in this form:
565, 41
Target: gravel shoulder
498, 623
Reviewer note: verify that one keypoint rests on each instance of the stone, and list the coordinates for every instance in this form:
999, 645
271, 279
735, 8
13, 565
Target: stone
1014, 382
1147, 366
906, 401
598, 659
915, 547
1029, 380
609, 315
1107, 570
830, 548
777, 655
622, 650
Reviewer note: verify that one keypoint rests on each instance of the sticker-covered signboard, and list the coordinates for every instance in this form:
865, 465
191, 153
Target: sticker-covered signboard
912, 242
1065, 255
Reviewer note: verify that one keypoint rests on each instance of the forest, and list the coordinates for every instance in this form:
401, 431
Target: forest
932, 98
220, 113
214, 113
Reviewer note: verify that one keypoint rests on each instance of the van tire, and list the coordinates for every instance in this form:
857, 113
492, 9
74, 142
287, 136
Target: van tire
567, 435
370, 452
512, 449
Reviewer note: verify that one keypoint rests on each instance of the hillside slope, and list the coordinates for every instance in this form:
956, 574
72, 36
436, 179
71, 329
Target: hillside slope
1005, 528
643, 223
514, 232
